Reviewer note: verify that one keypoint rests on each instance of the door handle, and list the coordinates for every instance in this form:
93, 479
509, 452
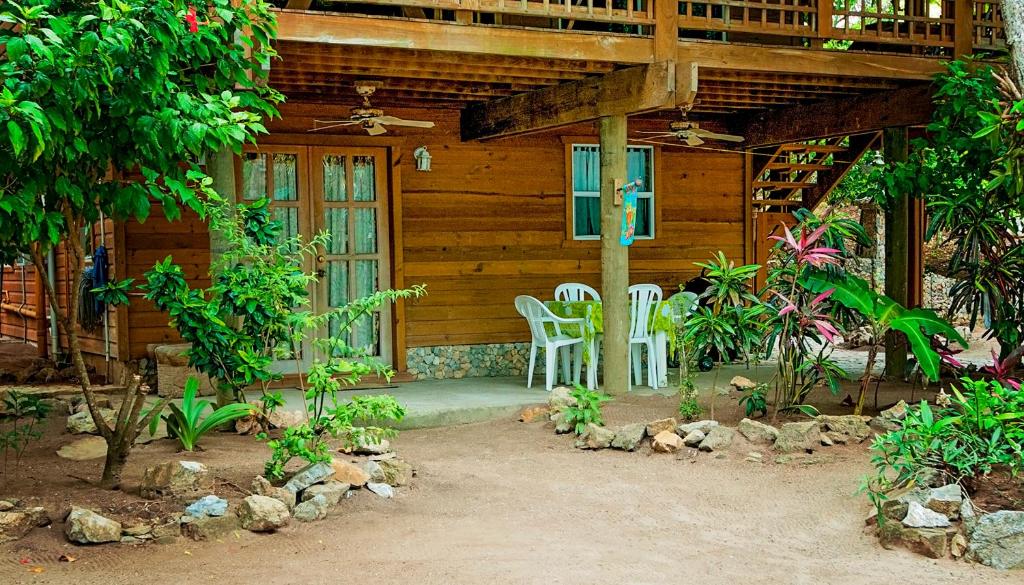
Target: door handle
320, 273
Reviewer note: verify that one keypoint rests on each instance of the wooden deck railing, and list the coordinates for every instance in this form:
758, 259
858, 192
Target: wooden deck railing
916, 26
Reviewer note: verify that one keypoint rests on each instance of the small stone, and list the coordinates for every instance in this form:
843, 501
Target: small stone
884, 425
998, 540
628, 437
82, 423
138, 531
332, 491
896, 412
836, 438
6, 505
946, 500
958, 545
758, 432
754, 457
396, 472
262, 514
373, 469
175, 479
666, 442
742, 383
262, 487
968, 517
560, 398
930, 542
534, 414
15, 525
719, 438
784, 459
84, 449
852, 426
798, 436
920, 517
826, 440
562, 424
171, 529
694, 438
665, 424
208, 527
87, 527
595, 437
131, 540
311, 510
207, 506
703, 426
309, 475
346, 472
381, 489
897, 503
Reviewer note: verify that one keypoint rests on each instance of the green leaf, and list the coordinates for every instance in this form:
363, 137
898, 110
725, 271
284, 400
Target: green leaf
17, 137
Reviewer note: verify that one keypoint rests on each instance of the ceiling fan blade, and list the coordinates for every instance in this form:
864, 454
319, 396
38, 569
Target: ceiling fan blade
328, 124
375, 129
693, 140
717, 136
659, 134
393, 121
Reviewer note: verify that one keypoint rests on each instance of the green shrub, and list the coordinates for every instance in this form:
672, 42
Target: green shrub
184, 424
753, 401
587, 408
21, 415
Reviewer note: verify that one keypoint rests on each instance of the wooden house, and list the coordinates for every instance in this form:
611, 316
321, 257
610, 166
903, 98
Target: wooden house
525, 96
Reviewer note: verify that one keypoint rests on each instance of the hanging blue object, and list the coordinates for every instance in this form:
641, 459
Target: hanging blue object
629, 211
100, 275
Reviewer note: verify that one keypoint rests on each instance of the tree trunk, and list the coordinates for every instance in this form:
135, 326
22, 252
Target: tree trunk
1013, 28
614, 258
866, 380
117, 456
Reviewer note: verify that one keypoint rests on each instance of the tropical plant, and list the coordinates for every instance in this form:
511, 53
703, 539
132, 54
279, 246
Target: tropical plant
184, 422
977, 429
884, 314
729, 285
753, 401
94, 91
19, 420
709, 334
689, 406
587, 408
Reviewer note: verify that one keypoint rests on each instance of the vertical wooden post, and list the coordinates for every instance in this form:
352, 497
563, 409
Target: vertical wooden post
963, 28
614, 257
666, 29
895, 145
221, 168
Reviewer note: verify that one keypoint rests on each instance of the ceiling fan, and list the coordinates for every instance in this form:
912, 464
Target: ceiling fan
370, 118
690, 133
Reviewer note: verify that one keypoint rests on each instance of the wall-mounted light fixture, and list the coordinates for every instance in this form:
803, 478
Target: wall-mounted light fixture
422, 158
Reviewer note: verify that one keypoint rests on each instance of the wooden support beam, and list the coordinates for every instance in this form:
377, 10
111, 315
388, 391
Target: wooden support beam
873, 112
666, 30
963, 28
614, 257
220, 166
895, 148
633, 90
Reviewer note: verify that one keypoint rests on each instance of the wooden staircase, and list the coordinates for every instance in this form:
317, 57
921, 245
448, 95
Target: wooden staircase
802, 174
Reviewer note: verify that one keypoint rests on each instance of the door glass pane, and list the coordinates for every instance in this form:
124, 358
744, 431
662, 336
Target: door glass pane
366, 277
643, 216
289, 218
587, 216
337, 283
335, 188
254, 176
366, 334
336, 222
366, 230
364, 186
286, 187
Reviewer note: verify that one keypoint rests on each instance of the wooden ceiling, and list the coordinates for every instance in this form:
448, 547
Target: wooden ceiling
326, 73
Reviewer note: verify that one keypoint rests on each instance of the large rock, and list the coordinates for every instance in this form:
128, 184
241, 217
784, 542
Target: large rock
82, 423
897, 502
311, 474
207, 506
262, 514
930, 542
381, 489
628, 438
897, 411
694, 438
920, 517
84, 449
87, 527
349, 473
311, 510
16, 524
798, 437
666, 442
332, 491
175, 479
562, 424
665, 424
262, 487
534, 414
854, 427
945, 500
365, 445
703, 426
395, 472
595, 437
758, 432
172, 371
742, 383
719, 438
208, 527
998, 540
560, 398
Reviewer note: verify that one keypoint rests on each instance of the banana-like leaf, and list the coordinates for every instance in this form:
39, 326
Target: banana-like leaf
919, 325
852, 292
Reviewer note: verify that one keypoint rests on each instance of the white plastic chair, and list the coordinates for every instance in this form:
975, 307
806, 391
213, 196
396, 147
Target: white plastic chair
643, 301
537, 315
575, 291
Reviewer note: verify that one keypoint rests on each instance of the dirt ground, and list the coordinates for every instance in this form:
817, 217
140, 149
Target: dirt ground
505, 502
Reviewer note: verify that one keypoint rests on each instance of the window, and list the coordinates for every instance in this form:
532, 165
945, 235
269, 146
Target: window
586, 190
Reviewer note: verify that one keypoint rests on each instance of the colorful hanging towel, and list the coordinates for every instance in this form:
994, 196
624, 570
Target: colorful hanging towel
629, 193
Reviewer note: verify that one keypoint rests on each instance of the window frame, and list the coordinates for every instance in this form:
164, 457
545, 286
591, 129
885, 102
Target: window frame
571, 193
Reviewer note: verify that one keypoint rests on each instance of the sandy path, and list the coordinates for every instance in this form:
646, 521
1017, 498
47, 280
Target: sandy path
511, 503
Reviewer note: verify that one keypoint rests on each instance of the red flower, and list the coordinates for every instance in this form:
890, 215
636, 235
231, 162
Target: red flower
192, 20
